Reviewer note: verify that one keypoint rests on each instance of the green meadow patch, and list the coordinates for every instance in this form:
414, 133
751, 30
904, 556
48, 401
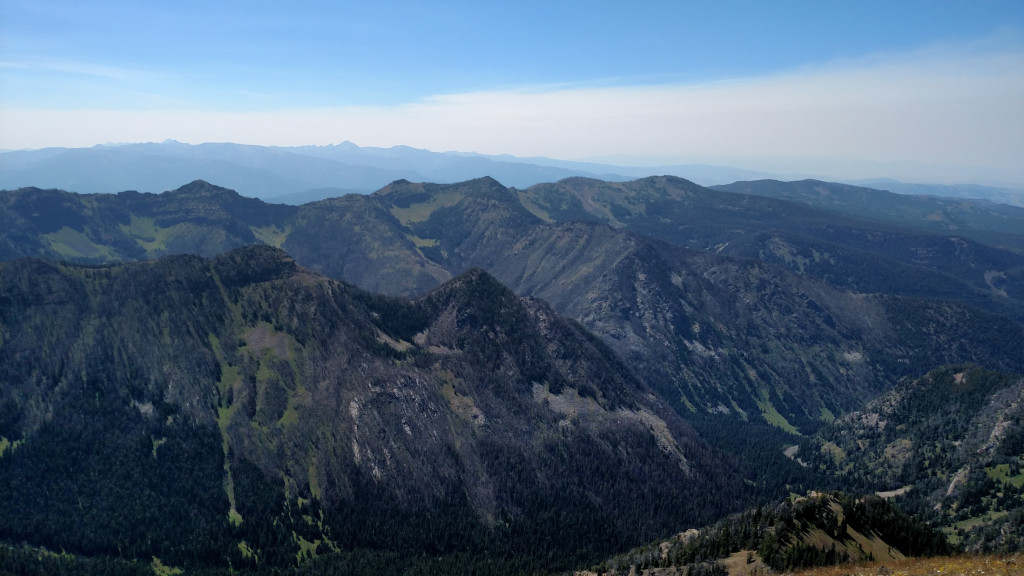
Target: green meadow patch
772, 416
420, 212
1001, 473
71, 243
272, 235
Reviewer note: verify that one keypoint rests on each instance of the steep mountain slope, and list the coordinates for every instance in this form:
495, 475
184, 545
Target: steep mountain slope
806, 238
667, 208
817, 530
432, 225
356, 239
945, 269
407, 237
980, 220
473, 422
468, 224
716, 335
196, 218
712, 334
317, 419
950, 444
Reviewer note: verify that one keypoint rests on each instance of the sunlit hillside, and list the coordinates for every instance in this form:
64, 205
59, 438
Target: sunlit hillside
965, 565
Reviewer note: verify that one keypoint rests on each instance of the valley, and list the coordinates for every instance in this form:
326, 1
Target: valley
501, 379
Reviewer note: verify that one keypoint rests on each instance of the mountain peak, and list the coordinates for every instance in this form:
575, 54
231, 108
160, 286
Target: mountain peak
476, 289
199, 187
478, 278
485, 180
255, 264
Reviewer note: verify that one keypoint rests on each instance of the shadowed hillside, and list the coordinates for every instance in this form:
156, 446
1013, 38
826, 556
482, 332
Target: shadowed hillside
313, 417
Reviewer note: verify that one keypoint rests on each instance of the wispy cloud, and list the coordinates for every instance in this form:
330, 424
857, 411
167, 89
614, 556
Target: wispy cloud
951, 112
75, 68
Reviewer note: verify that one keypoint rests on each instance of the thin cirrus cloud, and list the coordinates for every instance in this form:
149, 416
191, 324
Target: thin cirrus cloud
74, 68
940, 114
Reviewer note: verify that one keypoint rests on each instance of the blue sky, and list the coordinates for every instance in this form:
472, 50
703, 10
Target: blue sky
925, 90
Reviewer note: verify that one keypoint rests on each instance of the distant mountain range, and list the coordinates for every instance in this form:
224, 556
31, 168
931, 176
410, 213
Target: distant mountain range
300, 174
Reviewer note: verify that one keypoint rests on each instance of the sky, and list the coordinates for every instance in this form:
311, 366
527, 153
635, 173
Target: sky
926, 91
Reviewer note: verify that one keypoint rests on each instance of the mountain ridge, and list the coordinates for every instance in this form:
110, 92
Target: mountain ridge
466, 413
986, 222
305, 173
670, 311
308, 410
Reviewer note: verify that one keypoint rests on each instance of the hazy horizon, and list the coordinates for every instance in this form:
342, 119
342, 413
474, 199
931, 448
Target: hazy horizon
903, 90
